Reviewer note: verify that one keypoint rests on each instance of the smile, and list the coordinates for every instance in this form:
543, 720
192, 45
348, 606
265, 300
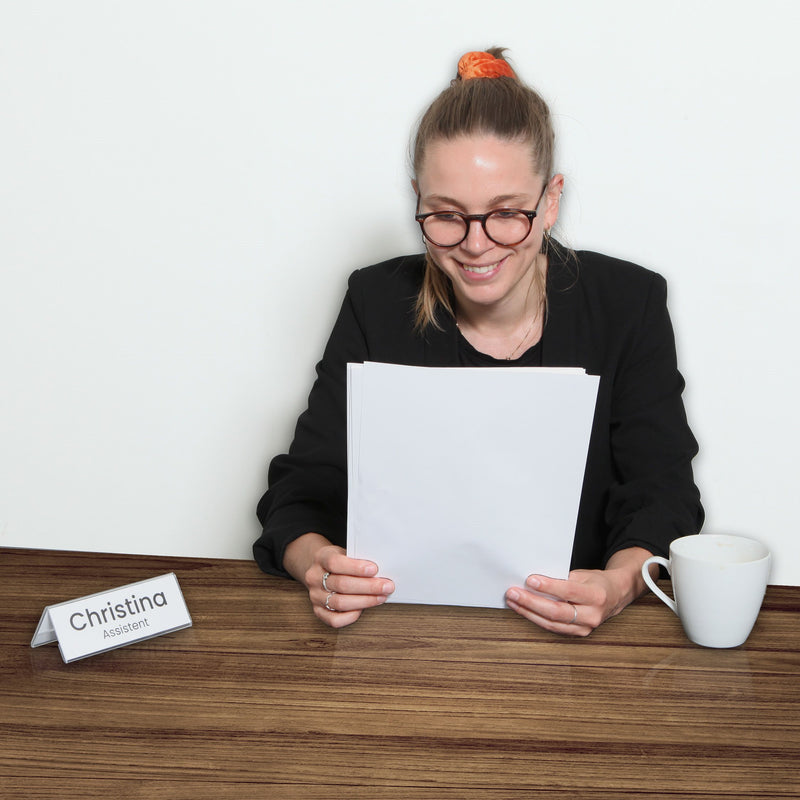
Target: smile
480, 270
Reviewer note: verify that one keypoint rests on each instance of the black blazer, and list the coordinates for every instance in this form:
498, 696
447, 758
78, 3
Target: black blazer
604, 315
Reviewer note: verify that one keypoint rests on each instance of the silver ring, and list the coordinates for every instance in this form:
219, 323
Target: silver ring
330, 594
574, 613
325, 581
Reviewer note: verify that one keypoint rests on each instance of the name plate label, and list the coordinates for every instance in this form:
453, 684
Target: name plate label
114, 618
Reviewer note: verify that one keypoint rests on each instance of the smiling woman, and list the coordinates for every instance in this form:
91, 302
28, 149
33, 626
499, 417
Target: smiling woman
494, 289
497, 280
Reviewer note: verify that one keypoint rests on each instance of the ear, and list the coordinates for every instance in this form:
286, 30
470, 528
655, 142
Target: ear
415, 186
555, 187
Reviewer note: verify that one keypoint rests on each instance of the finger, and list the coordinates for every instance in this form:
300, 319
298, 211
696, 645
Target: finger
554, 616
562, 612
346, 584
337, 562
570, 590
343, 603
336, 619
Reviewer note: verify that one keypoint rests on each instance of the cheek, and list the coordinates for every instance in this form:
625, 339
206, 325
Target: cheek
441, 257
535, 241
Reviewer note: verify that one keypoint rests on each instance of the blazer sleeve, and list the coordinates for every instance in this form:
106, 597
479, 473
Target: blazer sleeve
308, 485
653, 498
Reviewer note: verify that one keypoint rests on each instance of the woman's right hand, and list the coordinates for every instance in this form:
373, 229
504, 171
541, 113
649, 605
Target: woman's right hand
339, 587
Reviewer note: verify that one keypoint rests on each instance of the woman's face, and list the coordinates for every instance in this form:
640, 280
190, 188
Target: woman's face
475, 175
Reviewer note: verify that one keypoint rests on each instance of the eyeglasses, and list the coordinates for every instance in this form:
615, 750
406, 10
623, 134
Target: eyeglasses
504, 226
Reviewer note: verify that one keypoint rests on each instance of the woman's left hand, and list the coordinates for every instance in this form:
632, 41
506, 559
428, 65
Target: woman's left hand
586, 599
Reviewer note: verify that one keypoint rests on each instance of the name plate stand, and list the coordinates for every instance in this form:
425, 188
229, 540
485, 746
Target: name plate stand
114, 618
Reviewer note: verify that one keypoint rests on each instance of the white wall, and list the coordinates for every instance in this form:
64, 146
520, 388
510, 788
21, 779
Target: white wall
184, 187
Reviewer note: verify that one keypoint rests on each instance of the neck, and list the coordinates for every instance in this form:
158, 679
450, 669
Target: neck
505, 330
506, 318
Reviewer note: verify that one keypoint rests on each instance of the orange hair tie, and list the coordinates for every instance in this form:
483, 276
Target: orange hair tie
483, 65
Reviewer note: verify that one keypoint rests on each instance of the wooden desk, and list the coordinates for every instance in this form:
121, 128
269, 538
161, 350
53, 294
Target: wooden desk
259, 700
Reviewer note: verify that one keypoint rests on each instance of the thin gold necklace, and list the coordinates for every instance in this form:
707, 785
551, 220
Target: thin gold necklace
527, 332
521, 341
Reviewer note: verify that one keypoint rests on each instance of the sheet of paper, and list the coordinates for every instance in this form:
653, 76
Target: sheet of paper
463, 481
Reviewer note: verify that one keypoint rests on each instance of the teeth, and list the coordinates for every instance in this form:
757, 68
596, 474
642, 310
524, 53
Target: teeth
480, 270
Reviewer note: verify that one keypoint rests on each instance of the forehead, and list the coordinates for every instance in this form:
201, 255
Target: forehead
475, 167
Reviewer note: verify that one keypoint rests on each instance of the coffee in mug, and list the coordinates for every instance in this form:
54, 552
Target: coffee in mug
718, 581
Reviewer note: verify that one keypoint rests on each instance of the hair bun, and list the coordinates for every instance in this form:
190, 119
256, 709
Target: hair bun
483, 65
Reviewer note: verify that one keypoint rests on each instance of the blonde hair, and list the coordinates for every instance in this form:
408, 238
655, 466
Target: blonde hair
504, 107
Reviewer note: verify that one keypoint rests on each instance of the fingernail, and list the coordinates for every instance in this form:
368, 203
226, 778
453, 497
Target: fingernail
512, 595
387, 588
534, 583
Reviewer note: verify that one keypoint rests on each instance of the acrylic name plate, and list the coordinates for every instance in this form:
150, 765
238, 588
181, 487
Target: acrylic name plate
114, 618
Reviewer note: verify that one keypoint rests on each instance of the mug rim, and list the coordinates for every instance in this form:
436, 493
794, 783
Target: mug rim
676, 546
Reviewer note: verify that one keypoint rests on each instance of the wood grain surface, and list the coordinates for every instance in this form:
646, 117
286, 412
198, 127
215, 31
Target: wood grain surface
260, 700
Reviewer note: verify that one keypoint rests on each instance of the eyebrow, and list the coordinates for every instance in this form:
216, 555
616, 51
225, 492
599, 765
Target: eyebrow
499, 200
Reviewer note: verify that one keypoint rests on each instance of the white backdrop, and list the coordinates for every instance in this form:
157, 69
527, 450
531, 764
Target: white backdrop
184, 187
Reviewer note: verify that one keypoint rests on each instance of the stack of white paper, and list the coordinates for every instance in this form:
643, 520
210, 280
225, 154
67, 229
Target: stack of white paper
464, 481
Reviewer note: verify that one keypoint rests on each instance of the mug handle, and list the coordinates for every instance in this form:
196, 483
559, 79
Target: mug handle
651, 583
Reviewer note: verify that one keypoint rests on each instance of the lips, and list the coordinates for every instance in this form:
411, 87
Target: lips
481, 271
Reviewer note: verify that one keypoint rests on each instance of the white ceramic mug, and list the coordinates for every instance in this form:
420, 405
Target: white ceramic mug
719, 582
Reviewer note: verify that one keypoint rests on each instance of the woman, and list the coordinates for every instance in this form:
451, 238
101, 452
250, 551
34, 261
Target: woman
494, 289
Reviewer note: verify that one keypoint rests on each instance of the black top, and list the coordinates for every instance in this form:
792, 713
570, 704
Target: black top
604, 315
468, 356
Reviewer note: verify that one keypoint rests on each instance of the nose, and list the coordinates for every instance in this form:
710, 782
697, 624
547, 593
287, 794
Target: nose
477, 241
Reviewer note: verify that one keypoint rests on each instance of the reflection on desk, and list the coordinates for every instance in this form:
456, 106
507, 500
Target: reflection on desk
260, 700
